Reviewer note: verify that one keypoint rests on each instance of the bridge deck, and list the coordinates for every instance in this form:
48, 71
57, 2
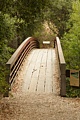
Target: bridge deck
38, 75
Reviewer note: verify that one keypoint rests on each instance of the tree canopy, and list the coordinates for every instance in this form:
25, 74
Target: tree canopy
71, 39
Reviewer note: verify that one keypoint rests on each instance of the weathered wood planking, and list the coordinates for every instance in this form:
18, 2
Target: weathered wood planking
39, 71
48, 82
29, 71
42, 72
53, 63
35, 75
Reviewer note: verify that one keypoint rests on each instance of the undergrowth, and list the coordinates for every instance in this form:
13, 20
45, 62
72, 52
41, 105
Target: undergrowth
72, 91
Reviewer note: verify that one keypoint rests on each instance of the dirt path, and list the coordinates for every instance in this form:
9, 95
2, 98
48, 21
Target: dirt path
39, 107
35, 106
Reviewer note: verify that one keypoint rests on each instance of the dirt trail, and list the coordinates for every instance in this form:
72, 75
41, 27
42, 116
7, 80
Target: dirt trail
39, 107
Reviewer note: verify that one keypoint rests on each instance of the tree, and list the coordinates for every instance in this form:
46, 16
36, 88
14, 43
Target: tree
71, 40
58, 14
7, 33
18, 20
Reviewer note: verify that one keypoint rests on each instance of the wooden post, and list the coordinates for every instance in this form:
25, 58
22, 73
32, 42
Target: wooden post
63, 80
54, 42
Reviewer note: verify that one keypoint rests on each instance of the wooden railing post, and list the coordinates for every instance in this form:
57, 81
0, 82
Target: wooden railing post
63, 80
62, 67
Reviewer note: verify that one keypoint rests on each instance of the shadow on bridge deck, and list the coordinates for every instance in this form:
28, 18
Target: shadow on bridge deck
38, 73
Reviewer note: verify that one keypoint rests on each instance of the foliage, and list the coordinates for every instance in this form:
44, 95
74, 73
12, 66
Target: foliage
58, 14
18, 20
44, 33
7, 33
71, 40
72, 91
71, 46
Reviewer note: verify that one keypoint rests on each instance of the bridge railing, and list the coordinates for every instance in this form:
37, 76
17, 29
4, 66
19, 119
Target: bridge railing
62, 66
17, 58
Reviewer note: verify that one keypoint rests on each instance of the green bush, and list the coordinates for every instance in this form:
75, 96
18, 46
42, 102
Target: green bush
7, 33
72, 91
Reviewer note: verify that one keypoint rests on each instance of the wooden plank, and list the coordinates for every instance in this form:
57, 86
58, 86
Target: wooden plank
40, 86
34, 79
42, 72
48, 85
29, 72
60, 52
33, 84
28, 58
53, 63
48, 82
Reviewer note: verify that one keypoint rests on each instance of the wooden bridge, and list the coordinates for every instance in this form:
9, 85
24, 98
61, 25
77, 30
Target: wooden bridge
39, 68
